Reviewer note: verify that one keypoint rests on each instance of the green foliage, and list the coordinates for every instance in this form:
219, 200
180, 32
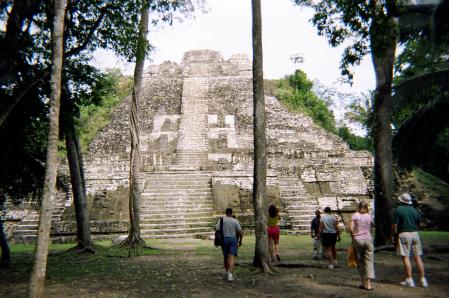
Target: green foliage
419, 113
108, 91
25, 64
435, 187
355, 142
295, 91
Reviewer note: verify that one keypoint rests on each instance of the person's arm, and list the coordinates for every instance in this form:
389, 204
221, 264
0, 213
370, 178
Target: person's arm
351, 228
320, 229
312, 232
394, 229
240, 237
337, 230
239, 232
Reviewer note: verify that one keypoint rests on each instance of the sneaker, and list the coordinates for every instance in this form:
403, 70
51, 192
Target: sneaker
331, 267
408, 283
230, 277
424, 283
278, 257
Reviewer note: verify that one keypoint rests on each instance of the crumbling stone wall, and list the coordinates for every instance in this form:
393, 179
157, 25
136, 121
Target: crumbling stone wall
332, 174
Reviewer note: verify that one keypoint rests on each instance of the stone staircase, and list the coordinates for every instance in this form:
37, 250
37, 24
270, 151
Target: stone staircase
177, 205
26, 230
191, 150
298, 204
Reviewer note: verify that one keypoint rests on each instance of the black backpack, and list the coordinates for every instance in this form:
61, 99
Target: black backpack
218, 241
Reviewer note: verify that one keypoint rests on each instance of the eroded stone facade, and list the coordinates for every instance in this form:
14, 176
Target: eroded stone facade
196, 117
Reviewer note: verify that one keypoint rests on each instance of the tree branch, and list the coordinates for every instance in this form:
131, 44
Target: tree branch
84, 44
5, 113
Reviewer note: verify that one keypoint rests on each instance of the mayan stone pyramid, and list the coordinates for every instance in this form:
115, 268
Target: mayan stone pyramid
196, 143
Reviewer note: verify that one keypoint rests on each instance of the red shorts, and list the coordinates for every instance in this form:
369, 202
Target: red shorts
273, 233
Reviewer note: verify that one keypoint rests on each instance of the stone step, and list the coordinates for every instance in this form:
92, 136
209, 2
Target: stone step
191, 183
25, 238
175, 231
301, 220
176, 195
206, 219
300, 205
203, 235
185, 177
170, 225
172, 215
28, 226
176, 212
310, 212
178, 190
184, 168
174, 206
301, 227
191, 201
30, 231
181, 185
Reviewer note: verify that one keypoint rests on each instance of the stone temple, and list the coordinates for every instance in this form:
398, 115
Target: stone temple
196, 144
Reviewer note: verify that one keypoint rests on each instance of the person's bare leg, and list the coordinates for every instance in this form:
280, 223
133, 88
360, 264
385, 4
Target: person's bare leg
334, 253
271, 249
420, 265
276, 248
407, 266
330, 255
226, 265
231, 260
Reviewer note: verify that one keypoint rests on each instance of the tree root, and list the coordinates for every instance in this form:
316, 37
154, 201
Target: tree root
133, 243
82, 249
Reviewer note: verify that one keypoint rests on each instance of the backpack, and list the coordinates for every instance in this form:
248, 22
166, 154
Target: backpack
218, 240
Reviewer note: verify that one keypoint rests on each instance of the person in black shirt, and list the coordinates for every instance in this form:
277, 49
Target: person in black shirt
315, 234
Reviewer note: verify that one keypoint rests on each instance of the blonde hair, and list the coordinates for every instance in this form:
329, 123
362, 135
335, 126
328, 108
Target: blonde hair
363, 206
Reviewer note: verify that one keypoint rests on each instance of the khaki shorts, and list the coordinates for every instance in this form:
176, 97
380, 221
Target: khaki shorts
409, 241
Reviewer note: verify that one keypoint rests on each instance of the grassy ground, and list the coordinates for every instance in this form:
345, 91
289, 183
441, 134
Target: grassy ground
193, 268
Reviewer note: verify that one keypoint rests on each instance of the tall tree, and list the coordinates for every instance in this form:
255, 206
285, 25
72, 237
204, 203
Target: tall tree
421, 101
25, 68
74, 158
37, 281
134, 241
383, 39
260, 144
372, 27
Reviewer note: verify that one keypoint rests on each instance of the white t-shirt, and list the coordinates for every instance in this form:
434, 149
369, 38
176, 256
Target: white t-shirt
329, 222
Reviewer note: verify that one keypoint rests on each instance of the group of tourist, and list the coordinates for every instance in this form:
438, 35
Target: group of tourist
325, 233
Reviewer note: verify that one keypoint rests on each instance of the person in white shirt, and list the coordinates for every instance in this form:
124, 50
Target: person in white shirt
330, 234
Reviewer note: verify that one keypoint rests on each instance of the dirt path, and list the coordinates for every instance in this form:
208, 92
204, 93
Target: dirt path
194, 269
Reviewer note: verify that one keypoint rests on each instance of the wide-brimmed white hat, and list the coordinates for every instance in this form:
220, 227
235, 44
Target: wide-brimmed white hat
405, 198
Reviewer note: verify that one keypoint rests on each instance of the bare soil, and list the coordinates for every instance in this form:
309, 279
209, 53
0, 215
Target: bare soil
193, 268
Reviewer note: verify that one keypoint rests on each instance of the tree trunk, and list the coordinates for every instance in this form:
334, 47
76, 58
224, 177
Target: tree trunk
260, 144
383, 37
78, 185
134, 241
37, 281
